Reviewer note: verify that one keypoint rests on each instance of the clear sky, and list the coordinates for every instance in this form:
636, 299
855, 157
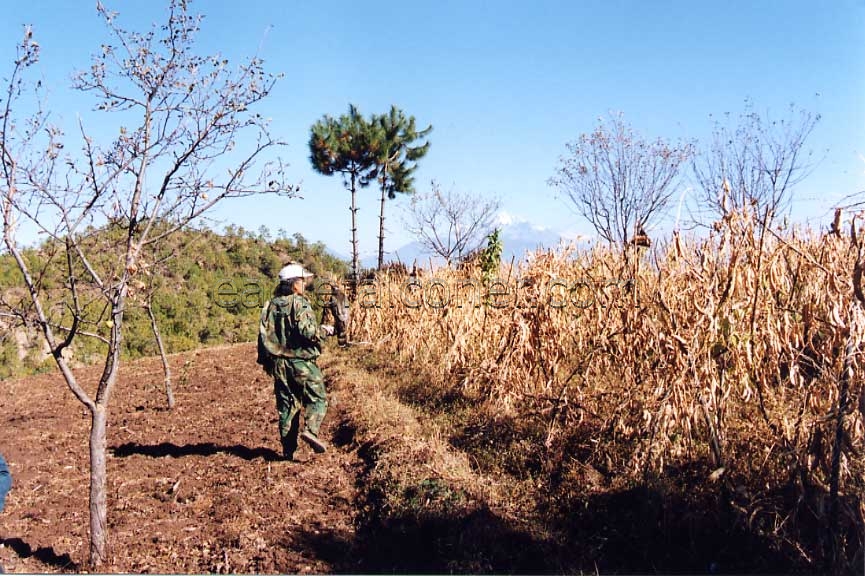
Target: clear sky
505, 85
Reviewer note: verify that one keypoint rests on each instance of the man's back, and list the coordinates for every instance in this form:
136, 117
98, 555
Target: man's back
289, 329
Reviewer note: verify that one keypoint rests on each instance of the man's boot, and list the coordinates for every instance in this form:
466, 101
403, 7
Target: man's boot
313, 440
289, 440
288, 448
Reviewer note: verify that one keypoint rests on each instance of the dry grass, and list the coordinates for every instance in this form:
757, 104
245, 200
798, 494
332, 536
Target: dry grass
406, 451
728, 351
424, 505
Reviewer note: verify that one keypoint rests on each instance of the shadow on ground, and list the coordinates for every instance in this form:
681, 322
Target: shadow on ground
633, 531
201, 449
44, 554
647, 530
665, 527
474, 542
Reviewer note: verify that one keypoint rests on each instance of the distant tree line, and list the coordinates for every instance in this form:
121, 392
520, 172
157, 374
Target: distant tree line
178, 283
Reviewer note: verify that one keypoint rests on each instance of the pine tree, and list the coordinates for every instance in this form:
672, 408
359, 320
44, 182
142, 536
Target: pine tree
346, 146
396, 159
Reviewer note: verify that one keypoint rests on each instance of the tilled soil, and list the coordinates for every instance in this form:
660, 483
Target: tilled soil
200, 488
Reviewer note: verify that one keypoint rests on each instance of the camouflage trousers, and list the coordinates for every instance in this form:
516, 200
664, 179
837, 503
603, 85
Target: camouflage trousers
341, 330
298, 384
337, 313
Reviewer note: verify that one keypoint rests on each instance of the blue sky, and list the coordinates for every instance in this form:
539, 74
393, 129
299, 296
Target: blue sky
505, 85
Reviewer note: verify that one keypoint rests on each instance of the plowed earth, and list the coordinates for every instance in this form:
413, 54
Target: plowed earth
200, 488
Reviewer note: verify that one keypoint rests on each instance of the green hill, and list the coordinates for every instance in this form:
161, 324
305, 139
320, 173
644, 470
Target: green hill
206, 288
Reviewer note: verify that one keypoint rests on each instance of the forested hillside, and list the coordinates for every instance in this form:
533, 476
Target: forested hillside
204, 288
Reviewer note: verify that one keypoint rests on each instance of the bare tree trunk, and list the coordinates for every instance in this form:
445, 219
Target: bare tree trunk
99, 412
166, 368
98, 497
354, 264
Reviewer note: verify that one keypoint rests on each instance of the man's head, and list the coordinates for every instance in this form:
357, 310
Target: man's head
295, 276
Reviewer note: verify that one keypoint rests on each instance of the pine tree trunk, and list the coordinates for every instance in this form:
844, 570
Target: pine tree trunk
354, 263
381, 223
166, 368
98, 496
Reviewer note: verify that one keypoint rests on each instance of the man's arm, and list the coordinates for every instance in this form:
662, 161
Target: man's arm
263, 356
307, 326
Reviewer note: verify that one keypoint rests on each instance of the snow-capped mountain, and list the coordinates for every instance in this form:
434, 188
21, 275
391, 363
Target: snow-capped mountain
518, 237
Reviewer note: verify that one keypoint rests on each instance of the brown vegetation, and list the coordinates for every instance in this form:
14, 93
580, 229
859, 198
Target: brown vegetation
716, 366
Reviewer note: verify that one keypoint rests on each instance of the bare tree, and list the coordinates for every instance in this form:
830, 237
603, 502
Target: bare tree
166, 365
754, 163
618, 181
186, 139
450, 224
145, 293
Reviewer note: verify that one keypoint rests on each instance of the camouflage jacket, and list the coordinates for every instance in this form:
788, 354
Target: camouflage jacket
337, 307
288, 329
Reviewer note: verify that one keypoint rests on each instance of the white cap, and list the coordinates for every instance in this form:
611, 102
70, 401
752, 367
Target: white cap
294, 271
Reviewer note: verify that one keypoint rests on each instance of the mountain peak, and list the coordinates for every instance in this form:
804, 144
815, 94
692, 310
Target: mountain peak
518, 236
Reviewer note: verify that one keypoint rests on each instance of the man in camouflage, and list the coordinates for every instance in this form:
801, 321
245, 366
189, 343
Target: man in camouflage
289, 342
336, 307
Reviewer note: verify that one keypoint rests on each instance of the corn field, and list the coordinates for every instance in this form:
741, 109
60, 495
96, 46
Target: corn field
741, 350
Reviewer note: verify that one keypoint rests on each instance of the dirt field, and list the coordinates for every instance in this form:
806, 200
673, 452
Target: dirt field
202, 489
196, 489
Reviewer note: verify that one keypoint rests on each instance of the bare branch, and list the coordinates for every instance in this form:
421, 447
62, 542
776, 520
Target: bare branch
450, 224
755, 163
619, 182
